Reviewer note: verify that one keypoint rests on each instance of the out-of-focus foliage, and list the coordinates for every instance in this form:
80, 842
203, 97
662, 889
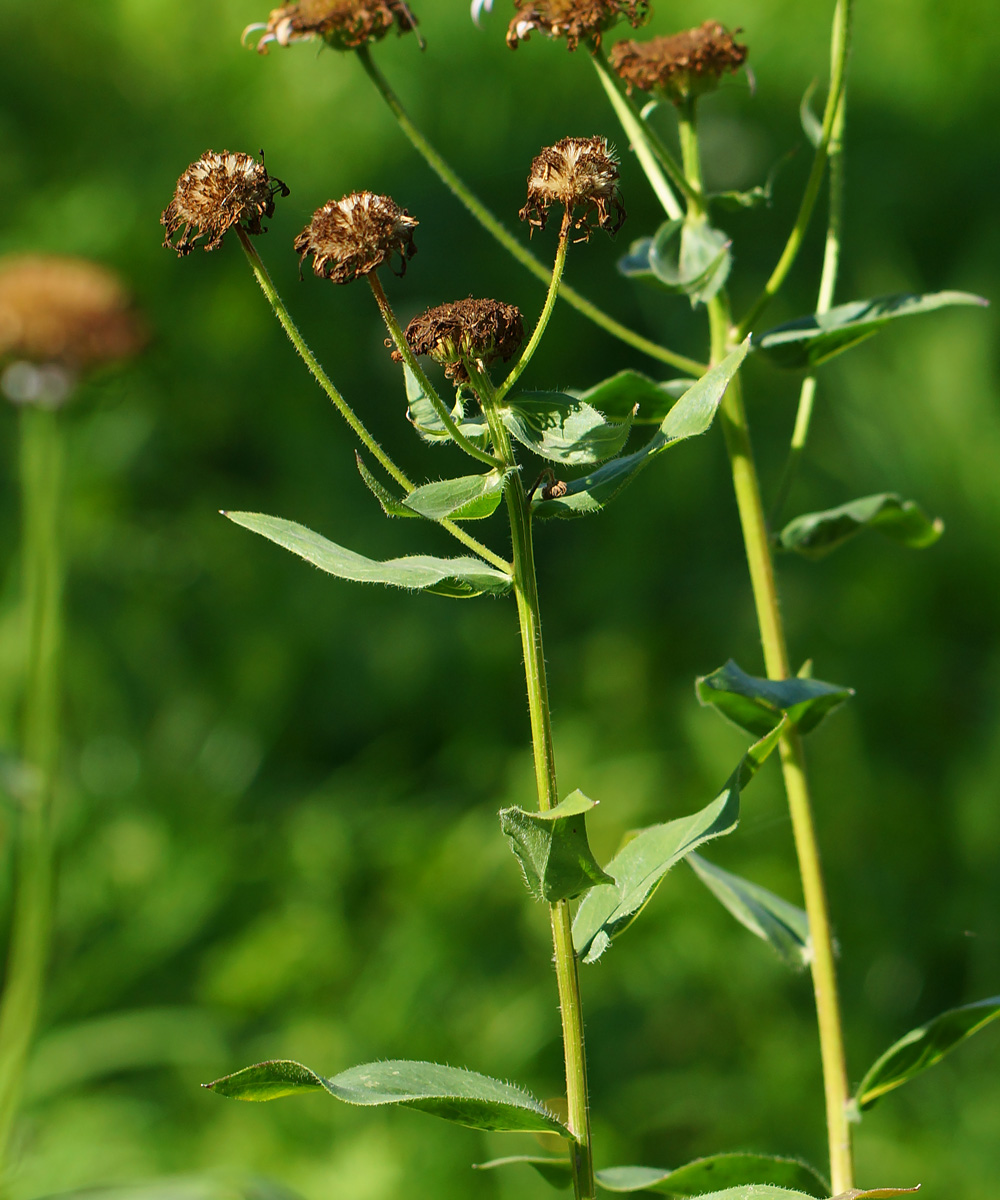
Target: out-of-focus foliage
279, 831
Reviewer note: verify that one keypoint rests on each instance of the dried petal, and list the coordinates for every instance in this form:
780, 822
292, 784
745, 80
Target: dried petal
481, 329
578, 173
683, 65
357, 235
575, 20
343, 24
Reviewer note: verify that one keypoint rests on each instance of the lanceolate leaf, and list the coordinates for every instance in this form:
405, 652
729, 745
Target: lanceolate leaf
638, 868
447, 1092
691, 415
757, 705
424, 418
391, 506
457, 577
556, 1171
563, 429
922, 1048
782, 925
720, 1170
809, 341
617, 396
467, 498
814, 535
553, 849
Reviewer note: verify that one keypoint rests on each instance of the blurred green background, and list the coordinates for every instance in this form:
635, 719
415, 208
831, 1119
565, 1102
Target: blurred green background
278, 813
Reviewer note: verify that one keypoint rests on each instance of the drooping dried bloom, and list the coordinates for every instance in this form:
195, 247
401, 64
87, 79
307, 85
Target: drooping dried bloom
481, 329
343, 24
577, 173
214, 194
575, 20
357, 235
683, 65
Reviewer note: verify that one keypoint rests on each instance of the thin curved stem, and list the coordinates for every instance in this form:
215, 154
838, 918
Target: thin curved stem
506, 239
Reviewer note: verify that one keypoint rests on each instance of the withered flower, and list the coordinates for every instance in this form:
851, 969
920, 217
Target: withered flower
342, 24
356, 235
682, 66
482, 329
214, 194
577, 173
59, 317
575, 20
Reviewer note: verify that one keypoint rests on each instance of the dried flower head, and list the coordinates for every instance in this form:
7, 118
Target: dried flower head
575, 20
343, 24
214, 194
58, 317
577, 173
683, 65
355, 236
482, 329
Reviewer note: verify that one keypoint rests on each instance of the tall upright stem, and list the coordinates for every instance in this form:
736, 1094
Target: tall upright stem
529, 617
41, 468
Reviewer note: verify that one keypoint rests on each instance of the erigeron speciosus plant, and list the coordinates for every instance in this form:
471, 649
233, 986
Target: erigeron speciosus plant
689, 255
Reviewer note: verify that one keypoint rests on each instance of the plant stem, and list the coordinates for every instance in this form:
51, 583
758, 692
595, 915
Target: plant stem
529, 617
341, 405
839, 47
41, 465
506, 239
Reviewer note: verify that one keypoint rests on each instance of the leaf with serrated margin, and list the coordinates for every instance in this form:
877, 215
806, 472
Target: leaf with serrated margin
424, 418
922, 1048
691, 415
811, 341
557, 1171
757, 704
639, 867
717, 1170
618, 395
553, 849
463, 1097
456, 577
563, 429
467, 498
784, 926
814, 535
391, 506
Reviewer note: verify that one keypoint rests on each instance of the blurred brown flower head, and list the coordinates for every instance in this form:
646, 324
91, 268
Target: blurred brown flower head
579, 174
681, 66
575, 20
60, 317
343, 24
356, 235
481, 329
214, 194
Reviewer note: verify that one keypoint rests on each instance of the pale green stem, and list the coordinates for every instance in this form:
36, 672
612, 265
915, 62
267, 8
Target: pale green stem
341, 405
506, 239
839, 46
31, 922
529, 616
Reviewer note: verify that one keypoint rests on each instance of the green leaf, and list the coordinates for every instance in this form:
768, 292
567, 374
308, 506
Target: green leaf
457, 577
812, 126
874, 1193
639, 867
563, 429
447, 1092
467, 498
782, 925
691, 415
390, 505
814, 535
699, 267
423, 416
553, 849
922, 1048
557, 1171
809, 341
756, 704
617, 396
723, 1170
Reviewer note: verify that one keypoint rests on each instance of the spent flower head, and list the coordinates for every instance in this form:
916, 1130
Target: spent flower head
575, 20
682, 66
578, 174
215, 193
356, 235
479, 329
342, 24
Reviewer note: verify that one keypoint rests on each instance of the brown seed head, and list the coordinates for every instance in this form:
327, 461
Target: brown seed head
214, 194
357, 235
482, 329
578, 173
575, 20
343, 24
683, 65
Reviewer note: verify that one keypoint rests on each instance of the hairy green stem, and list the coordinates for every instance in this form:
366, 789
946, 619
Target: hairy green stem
31, 922
529, 617
341, 405
506, 239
